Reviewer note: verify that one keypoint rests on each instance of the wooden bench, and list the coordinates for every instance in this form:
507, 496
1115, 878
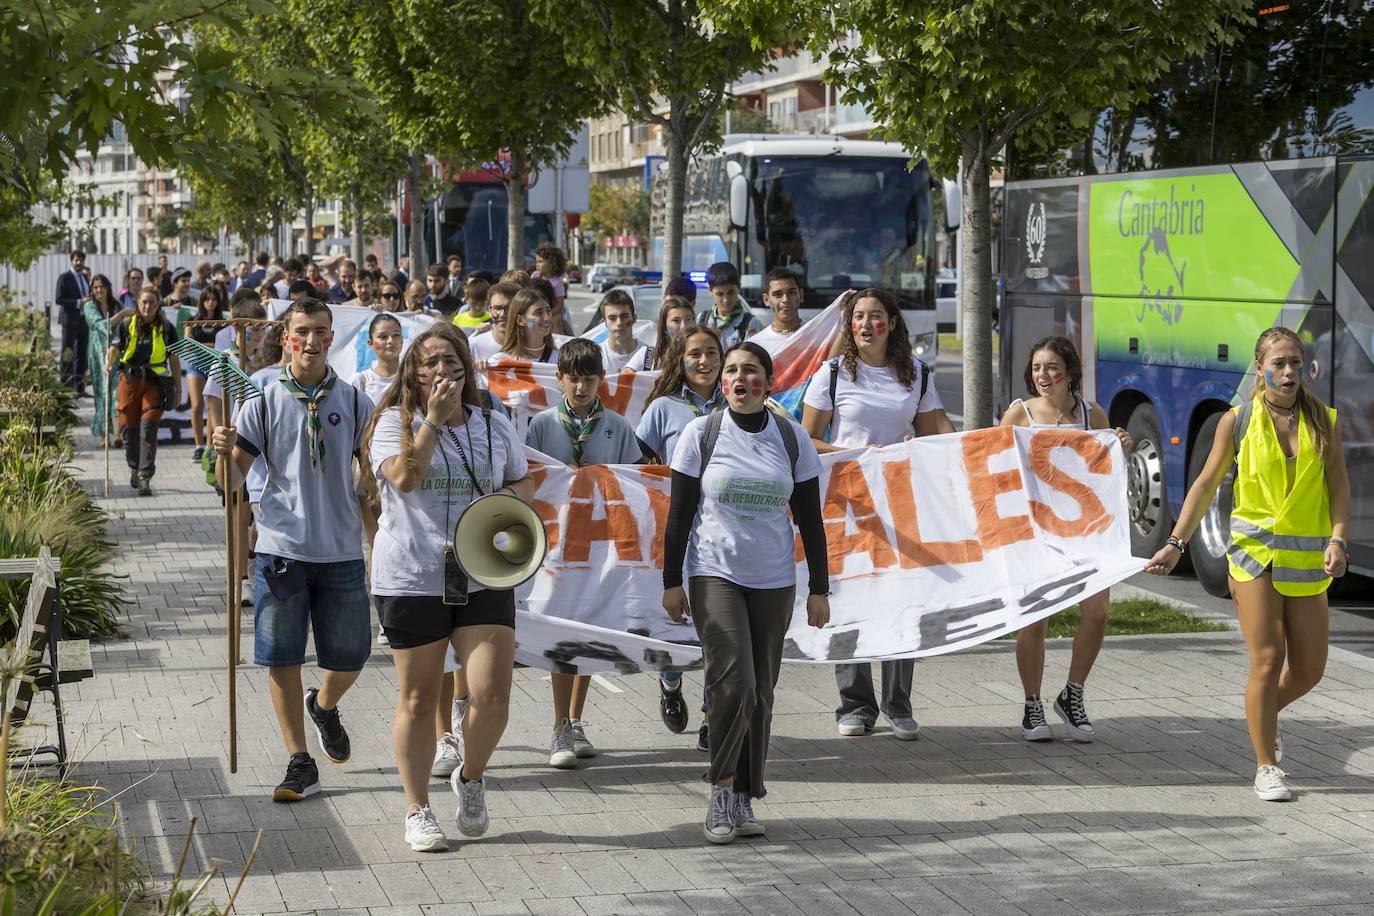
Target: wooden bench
38, 658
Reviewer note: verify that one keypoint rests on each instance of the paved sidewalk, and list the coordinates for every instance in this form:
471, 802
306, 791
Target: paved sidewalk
1157, 816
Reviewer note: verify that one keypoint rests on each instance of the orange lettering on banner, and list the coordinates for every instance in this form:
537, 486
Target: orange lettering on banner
624, 389
617, 524
1092, 515
548, 512
848, 493
509, 377
912, 552
994, 530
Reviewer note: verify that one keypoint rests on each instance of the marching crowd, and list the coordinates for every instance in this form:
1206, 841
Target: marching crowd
354, 489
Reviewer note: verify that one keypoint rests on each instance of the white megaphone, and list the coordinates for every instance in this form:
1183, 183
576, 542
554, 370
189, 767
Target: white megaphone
499, 541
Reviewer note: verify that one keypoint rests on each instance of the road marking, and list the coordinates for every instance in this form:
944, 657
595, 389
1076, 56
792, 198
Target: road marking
605, 684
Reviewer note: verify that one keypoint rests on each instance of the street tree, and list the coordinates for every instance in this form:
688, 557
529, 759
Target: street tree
957, 80
618, 210
478, 84
665, 63
73, 72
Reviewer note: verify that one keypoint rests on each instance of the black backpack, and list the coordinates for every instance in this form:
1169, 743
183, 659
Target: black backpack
712, 432
835, 381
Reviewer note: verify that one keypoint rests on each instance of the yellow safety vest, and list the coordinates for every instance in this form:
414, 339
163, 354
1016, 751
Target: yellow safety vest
1272, 526
466, 321
157, 360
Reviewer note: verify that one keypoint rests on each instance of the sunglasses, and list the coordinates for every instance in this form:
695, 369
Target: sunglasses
391, 295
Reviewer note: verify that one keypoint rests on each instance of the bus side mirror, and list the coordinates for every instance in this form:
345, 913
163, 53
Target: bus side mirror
739, 202
954, 205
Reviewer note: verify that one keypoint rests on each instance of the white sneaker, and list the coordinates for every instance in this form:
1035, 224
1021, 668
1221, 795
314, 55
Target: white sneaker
460, 712
581, 746
382, 640
448, 756
1269, 784
720, 815
472, 804
562, 755
852, 725
423, 832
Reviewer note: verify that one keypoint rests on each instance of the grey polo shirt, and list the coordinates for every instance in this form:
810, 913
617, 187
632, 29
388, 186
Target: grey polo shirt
307, 513
612, 442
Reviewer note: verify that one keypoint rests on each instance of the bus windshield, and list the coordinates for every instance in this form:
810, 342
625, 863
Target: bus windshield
842, 222
473, 225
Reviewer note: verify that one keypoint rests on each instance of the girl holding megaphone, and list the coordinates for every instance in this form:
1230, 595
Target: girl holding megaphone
434, 450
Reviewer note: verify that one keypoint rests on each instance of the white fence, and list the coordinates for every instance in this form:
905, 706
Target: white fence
38, 284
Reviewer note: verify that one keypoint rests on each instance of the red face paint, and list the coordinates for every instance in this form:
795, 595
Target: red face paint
329, 340
880, 327
1056, 377
295, 344
756, 386
724, 386
856, 326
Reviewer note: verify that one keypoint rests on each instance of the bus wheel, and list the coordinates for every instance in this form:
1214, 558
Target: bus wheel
1208, 547
1145, 493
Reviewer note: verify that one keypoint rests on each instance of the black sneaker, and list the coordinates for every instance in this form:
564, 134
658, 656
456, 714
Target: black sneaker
145, 487
133, 479
672, 707
333, 738
1069, 705
703, 742
198, 453
1033, 724
302, 779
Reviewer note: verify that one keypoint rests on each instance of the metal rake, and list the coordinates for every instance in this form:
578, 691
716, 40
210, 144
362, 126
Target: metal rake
222, 367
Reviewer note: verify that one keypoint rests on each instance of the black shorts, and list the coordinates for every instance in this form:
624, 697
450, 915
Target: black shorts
411, 621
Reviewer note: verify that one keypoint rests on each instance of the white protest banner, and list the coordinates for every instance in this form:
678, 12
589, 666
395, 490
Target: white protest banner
528, 388
349, 353
935, 545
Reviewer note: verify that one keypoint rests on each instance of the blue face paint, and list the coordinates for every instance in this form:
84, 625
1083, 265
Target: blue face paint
1269, 381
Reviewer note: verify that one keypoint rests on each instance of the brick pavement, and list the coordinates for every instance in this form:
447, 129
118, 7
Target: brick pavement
1157, 816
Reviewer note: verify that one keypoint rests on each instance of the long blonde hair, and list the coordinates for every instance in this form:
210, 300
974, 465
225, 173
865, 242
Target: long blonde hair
405, 394
1312, 407
517, 334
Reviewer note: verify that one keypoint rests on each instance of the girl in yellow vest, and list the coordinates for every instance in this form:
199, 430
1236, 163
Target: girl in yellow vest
1291, 507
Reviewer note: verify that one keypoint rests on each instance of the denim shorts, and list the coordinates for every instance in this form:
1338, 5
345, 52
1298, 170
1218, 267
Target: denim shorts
293, 597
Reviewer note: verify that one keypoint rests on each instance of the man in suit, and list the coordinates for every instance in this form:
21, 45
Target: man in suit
455, 275
72, 288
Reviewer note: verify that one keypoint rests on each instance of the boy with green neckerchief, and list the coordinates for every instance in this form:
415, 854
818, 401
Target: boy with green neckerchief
579, 431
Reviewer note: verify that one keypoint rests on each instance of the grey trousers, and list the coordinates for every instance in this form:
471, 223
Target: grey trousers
856, 689
742, 631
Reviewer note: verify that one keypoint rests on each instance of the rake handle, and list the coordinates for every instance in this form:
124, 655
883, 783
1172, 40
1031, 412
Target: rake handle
230, 582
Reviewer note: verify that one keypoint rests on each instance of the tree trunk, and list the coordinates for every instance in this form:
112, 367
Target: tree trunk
677, 194
418, 264
515, 213
976, 289
276, 233
355, 204
309, 221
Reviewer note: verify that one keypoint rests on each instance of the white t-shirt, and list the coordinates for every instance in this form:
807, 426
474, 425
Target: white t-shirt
256, 478
616, 362
415, 527
501, 355
743, 531
770, 339
373, 384
873, 409
483, 347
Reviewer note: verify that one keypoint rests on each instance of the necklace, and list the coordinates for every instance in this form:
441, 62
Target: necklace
1290, 413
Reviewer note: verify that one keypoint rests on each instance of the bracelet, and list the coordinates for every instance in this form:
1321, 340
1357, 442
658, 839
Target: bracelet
1339, 542
426, 421
1178, 542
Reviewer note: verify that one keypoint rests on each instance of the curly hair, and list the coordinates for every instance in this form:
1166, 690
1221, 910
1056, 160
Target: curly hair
898, 354
405, 394
557, 258
1318, 420
1065, 350
672, 376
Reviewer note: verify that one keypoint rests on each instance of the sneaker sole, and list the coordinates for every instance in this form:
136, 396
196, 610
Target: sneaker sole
585, 754
720, 839
757, 830
564, 761
291, 795
906, 736
468, 830
1039, 733
1275, 794
444, 772
439, 844
853, 731
1074, 733
319, 737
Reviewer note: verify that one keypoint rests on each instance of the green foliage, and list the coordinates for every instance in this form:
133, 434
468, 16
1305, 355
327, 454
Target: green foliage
1133, 617
618, 210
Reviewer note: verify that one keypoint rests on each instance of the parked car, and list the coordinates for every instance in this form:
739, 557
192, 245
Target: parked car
573, 274
946, 304
590, 275
615, 275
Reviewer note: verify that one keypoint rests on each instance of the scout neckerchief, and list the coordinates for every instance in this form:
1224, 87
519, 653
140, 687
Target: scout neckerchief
690, 397
312, 399
579, 431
